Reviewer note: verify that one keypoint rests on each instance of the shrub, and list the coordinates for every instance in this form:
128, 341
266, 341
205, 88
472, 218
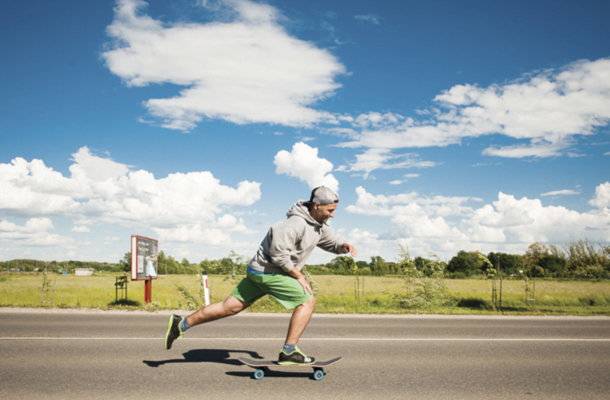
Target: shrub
458, 275
430, 291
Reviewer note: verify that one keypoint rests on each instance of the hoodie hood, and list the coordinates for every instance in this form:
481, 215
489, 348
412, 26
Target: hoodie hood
300, 209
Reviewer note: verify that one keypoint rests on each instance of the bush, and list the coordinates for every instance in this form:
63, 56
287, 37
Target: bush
594, 301
430, 291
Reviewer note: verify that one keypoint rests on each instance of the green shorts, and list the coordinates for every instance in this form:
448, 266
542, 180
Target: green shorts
284, 288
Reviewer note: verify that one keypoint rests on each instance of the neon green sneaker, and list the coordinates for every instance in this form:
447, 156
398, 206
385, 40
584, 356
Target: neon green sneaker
173, 330
297, 357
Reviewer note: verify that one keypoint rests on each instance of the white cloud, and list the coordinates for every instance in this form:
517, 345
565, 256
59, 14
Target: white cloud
543, 112
602, 196
373, 159
102, 190
377, 120
357, 236
566, 192
368, 244
244, 70
81, 229
444, 225
30, 188
303, 163
372, 18
33, 233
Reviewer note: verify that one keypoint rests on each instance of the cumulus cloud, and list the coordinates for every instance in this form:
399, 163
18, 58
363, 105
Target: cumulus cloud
446, 224
246, 69
103, 190
33, 233
602, 196
302, 162
542, 112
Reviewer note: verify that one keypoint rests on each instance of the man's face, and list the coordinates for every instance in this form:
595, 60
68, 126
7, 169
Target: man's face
322, 213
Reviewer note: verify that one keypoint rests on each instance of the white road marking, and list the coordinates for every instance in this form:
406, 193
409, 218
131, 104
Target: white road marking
330, 339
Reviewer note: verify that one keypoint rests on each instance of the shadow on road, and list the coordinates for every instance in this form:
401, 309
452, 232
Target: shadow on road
219, 356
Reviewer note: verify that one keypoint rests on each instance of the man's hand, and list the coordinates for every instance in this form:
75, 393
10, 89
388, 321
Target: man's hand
348, 248
296, 274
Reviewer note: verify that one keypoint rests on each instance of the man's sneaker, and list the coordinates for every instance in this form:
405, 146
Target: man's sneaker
173, 331
295, 358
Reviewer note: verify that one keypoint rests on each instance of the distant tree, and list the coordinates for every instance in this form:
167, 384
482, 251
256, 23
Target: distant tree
342, 265
584, 258
505, 263
378, 266
535, 252
125, 263
463, 262
553, 265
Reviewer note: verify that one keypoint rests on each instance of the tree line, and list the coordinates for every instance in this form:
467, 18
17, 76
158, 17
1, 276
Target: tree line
576, 259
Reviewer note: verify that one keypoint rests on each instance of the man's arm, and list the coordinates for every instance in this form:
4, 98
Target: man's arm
296, 274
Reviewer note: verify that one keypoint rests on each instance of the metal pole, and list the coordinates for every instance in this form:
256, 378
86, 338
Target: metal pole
53, 295
500, 291
44, 281
534, 297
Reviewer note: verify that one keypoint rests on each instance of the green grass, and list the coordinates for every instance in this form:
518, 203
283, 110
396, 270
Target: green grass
336, 295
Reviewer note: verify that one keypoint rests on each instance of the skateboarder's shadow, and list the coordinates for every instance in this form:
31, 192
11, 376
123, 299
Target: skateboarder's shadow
219, 356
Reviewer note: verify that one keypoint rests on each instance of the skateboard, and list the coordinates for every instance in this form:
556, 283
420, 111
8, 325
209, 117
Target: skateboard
263, 366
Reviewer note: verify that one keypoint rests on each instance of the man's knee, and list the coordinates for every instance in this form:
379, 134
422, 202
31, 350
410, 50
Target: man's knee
234, 306
311, 302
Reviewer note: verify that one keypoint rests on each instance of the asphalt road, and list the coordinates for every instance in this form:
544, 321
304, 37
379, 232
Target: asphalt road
102, 355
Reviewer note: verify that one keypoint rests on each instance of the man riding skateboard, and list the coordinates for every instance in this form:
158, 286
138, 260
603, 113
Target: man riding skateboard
275, 270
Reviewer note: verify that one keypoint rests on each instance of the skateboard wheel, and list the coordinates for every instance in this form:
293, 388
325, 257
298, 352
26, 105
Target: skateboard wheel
318, 375
259, 374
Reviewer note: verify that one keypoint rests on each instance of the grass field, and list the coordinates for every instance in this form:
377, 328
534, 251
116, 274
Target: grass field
336, 295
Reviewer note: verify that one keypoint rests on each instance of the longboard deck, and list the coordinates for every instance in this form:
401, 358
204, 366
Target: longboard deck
262, 366
268, 363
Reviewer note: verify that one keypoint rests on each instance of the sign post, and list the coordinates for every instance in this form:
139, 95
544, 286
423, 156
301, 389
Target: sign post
144, 255
148, 291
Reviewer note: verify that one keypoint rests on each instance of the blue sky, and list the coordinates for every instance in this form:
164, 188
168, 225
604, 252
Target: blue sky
444, 125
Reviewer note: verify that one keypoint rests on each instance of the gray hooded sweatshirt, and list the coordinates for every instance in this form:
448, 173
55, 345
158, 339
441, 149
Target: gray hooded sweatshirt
289, 243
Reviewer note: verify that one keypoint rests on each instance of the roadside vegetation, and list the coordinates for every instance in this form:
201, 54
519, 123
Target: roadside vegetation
571, 281
336, 294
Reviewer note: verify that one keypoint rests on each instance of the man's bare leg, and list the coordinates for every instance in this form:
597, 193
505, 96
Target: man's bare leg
176, 328
300, 319
215, 311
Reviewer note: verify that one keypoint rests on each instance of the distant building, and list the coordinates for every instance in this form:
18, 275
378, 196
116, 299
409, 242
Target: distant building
83, 271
